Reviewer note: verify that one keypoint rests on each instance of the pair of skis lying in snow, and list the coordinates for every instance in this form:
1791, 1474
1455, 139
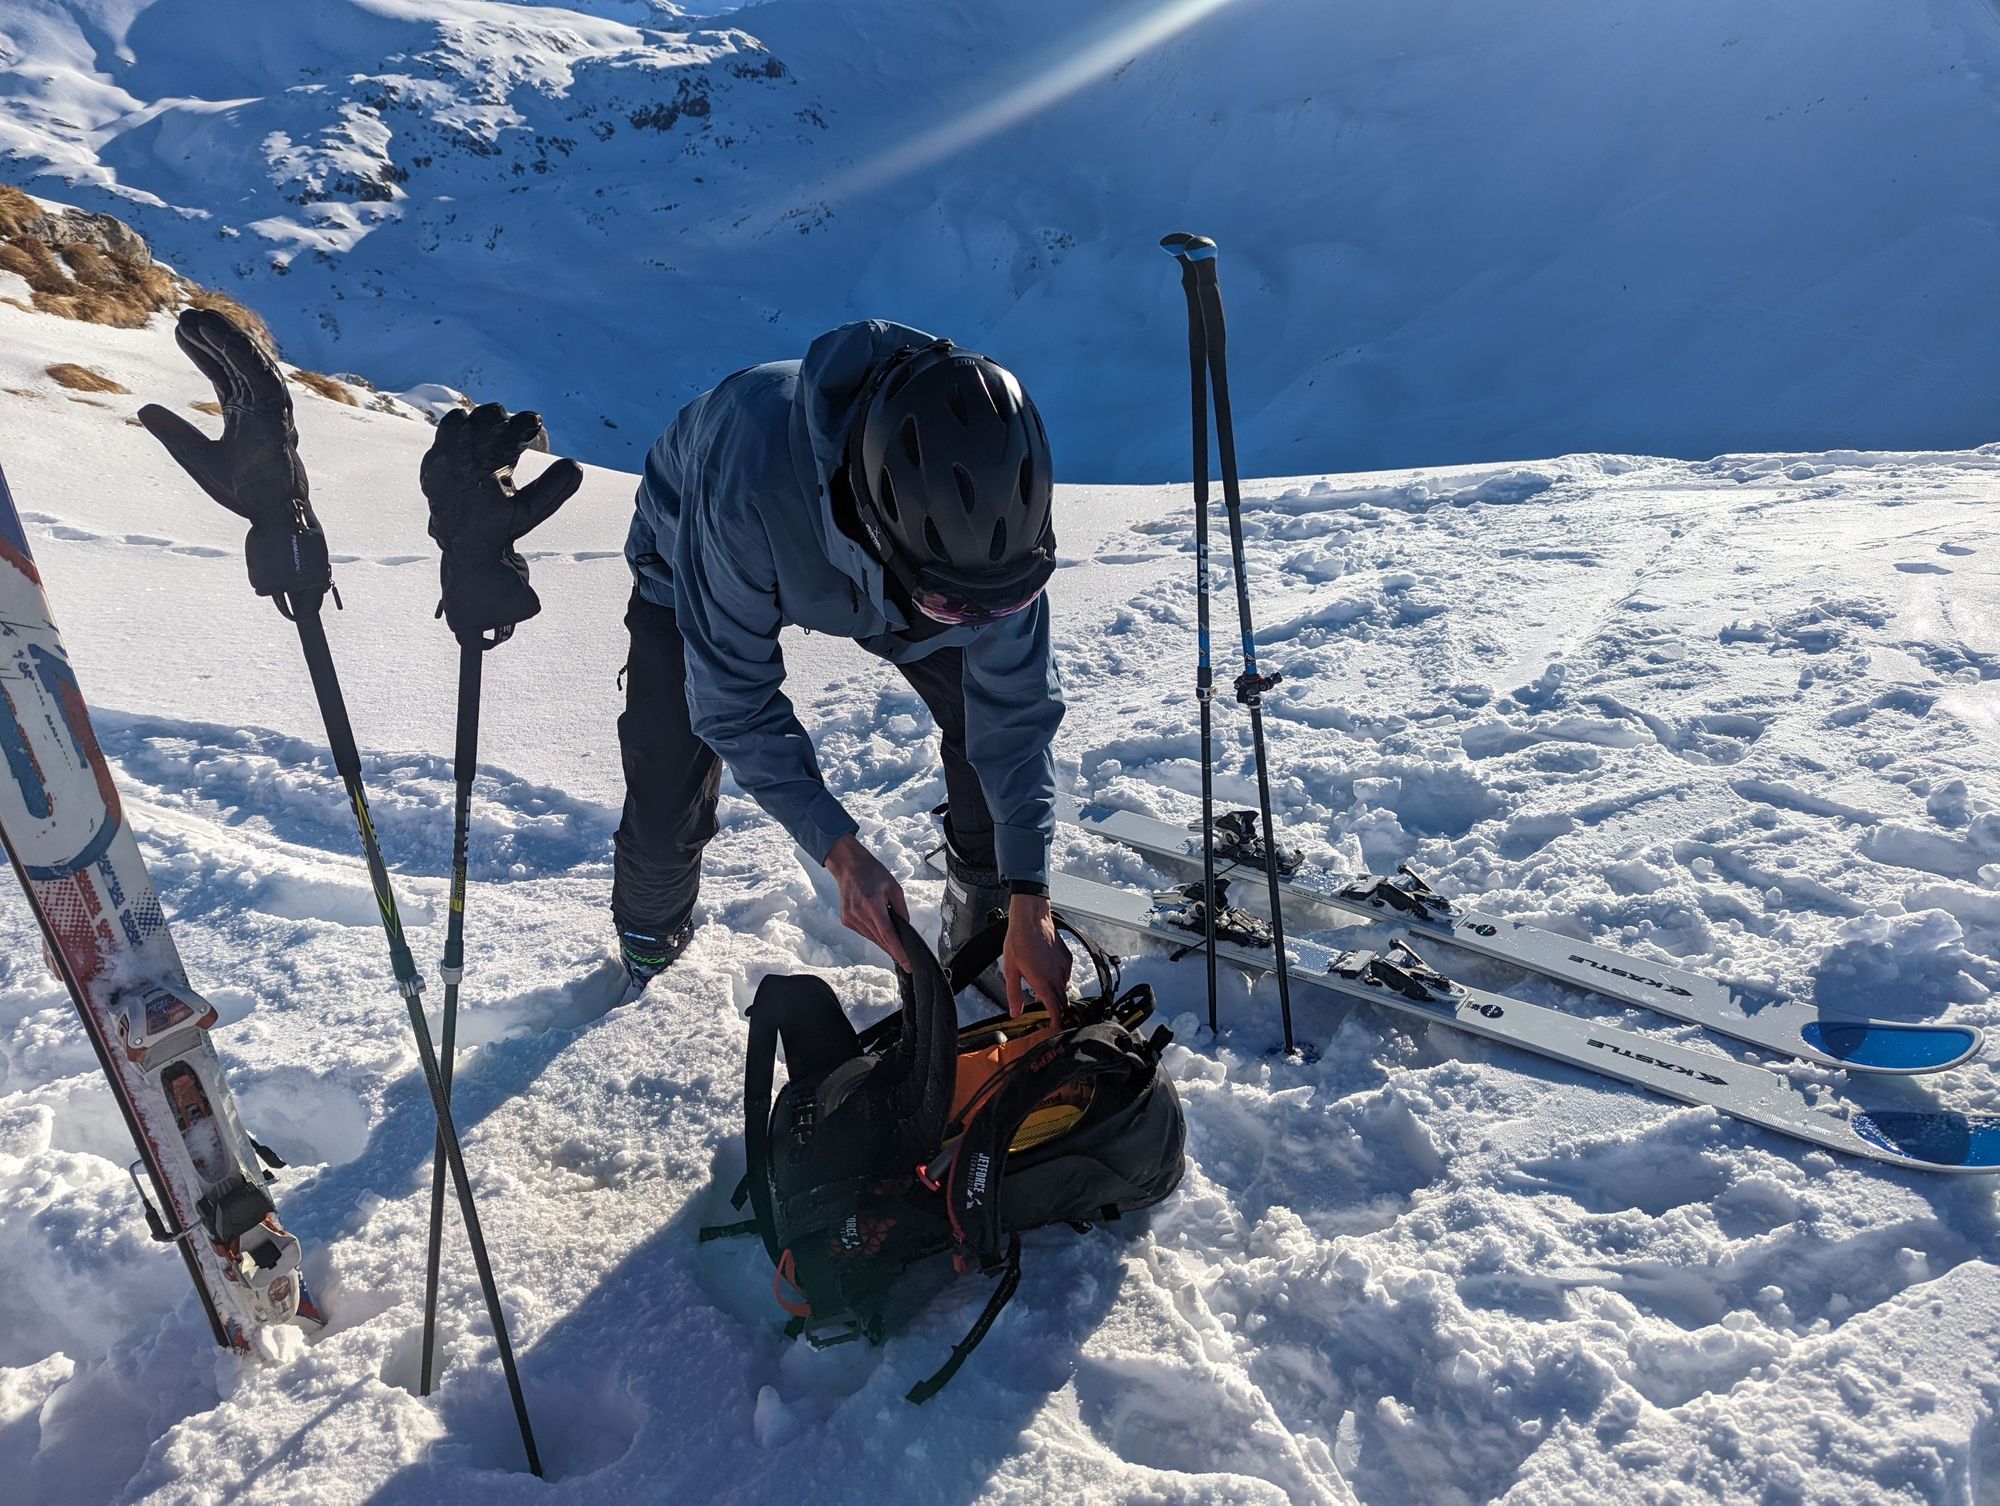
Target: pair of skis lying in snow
1399, 978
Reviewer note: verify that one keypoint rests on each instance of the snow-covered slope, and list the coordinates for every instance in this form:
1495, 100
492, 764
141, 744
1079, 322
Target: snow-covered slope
1454, 232
1739, 713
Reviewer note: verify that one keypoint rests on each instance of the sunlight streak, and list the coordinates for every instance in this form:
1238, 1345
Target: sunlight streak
1091, 61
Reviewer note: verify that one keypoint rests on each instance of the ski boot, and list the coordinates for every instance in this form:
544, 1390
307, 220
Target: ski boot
974, 898
642, 957
646, 955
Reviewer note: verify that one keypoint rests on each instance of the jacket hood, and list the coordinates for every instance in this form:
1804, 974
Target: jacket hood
825, 405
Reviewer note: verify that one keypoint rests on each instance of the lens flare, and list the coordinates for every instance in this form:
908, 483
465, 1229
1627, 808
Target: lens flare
1080, 63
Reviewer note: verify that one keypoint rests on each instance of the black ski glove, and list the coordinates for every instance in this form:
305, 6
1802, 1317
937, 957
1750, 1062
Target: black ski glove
253, 469
476, 515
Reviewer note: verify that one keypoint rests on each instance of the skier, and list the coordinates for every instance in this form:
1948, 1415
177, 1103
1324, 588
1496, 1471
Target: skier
893, 489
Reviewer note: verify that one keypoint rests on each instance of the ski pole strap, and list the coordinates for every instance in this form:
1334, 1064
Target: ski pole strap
1010, 1280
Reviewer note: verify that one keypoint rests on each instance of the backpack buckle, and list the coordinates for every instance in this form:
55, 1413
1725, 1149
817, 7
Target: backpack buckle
826, 1333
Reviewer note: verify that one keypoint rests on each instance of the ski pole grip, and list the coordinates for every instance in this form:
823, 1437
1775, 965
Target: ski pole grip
1185, 246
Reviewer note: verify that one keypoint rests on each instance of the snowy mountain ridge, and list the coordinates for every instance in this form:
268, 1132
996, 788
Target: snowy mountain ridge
1452, 233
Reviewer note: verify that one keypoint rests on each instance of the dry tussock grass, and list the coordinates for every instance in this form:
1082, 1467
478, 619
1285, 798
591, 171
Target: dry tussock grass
325, 386
82, 378
78, 280
16, 210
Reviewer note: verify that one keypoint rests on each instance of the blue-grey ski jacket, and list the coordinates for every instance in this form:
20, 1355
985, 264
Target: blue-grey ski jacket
735, 533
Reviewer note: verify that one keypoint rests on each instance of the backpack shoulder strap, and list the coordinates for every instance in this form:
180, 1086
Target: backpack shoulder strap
802, 1010
925, 1056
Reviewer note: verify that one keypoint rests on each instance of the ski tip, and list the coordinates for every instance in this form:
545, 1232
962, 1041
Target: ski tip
1870, 1046
1934, 1141
1176, 243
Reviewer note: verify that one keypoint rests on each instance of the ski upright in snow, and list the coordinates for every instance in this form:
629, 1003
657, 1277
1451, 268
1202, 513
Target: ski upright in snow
79, 864
1399, 979
1787, 1027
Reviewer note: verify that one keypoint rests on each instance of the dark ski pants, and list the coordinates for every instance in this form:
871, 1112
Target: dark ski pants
673, 778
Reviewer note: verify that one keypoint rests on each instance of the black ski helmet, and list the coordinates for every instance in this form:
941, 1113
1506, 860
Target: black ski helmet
951, 475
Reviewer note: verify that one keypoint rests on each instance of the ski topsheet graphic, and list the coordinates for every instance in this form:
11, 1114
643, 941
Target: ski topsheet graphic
1397, 978
1789, 1027
65, 834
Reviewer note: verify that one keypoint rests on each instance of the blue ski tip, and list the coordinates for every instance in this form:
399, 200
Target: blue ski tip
1176, 243
1964, 1142
1192, 247
1876, 1047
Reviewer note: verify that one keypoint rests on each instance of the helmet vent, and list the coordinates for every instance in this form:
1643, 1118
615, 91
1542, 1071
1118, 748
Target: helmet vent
911, 447
1001, 391
1027, 482
934, 541
885, 495
999, 545
965, 493
954, 399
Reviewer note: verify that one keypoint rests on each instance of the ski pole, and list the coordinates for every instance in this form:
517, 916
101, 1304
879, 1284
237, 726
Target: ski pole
471, 660
476, 516
304, 610
1204, 674
254, 470
1251, 685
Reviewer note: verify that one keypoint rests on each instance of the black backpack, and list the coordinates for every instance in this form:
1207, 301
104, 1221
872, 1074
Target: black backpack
918, 1138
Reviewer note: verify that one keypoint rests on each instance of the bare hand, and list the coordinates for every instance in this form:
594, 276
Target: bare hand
1034, 955
868, 895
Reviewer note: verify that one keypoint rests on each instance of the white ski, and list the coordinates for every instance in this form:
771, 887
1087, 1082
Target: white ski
1789, 1027
1398, 979
65, 834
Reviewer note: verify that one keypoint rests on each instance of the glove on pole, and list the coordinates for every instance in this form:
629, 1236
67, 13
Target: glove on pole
476, 517
254, 471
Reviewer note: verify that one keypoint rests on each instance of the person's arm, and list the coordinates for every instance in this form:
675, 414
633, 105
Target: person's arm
726, 603
1013, 705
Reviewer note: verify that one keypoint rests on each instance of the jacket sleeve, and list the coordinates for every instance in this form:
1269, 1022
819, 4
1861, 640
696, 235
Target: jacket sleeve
1013, 705
726, 603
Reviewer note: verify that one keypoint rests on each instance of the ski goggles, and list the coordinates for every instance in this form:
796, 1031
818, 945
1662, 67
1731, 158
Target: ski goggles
955, 610
972, 602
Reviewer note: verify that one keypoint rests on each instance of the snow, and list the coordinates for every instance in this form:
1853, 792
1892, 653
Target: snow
1452, 232
1739, 713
